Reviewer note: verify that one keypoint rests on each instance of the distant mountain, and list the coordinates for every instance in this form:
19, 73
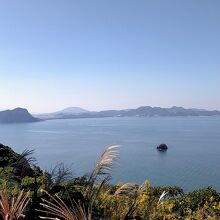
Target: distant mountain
173, 111
144, 111
17, 115
65, 113
21, 115
72, 110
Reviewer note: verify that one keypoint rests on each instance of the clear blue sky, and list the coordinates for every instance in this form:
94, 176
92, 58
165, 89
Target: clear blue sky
109, 54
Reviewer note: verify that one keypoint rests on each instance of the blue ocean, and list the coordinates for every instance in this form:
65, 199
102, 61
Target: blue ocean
192, 160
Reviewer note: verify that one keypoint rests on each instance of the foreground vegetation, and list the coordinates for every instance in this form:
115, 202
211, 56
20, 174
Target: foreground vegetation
27, 192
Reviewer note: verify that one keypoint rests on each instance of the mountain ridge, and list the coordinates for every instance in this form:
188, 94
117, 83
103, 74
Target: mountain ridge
21, 115
142, 111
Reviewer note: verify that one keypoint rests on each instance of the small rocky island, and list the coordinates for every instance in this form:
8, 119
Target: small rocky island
162, 147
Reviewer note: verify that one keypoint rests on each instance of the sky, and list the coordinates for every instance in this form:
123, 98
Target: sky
109, 54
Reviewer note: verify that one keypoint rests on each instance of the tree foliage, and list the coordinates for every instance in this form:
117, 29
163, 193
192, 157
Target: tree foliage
92, 197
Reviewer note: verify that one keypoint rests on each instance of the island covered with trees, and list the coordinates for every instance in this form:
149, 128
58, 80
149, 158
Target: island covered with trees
28, 192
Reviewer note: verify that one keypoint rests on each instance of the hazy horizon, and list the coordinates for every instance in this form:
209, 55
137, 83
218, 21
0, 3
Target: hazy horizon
135, 107
102, 55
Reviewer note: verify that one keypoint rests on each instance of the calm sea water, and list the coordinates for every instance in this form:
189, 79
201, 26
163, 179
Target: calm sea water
192, 160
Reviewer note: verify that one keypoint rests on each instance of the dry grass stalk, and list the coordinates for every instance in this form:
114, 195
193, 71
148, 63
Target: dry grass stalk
101, 173
98, 178
105, 165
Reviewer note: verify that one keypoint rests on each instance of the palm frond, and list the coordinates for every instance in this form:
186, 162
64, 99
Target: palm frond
25, 158
162, 197
127, 189
58, 209
24, 163
28, 155
61, 173
133, 191
13, 209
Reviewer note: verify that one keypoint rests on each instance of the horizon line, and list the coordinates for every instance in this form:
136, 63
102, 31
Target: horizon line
117, 109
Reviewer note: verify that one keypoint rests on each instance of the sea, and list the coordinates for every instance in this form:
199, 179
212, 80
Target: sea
192, 160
